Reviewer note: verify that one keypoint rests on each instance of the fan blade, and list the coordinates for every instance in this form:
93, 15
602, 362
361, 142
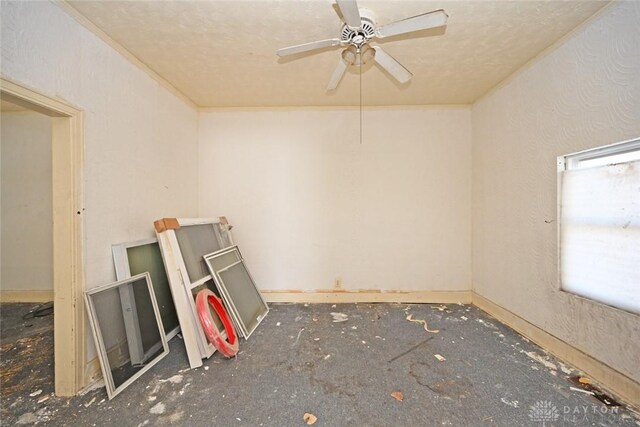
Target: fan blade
391, 66
292, 50
351, 13
337, 75
434, 19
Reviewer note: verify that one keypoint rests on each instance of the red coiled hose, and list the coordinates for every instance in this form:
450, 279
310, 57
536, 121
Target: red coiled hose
228, 348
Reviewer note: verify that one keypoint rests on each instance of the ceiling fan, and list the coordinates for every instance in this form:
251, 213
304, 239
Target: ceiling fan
358, 31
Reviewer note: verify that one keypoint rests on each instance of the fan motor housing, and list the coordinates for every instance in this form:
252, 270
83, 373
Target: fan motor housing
362, 35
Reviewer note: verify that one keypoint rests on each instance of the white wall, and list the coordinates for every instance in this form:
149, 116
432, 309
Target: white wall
584, 94
140, 140
311, 205
27, 211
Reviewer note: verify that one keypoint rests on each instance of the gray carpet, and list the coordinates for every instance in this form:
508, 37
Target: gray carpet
301, 361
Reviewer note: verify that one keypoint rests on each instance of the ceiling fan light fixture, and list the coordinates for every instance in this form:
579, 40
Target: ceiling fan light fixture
358, 56
349, 55
358, 30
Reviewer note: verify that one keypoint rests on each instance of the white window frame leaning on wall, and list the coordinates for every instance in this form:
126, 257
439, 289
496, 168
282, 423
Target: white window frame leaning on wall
133, 341
123, 270
195, 340
599, 224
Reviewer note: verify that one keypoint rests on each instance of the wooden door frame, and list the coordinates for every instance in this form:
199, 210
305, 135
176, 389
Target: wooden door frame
68, 266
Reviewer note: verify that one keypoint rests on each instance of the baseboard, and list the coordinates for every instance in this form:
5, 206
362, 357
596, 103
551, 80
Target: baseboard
611, 380
364, 296
26, 296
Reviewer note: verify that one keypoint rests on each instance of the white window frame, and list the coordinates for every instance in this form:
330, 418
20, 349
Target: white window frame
123, 271
575, 161
195, 340
112, 390
222, 288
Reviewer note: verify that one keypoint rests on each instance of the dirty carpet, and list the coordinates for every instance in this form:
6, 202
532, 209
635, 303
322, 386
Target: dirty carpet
345, 364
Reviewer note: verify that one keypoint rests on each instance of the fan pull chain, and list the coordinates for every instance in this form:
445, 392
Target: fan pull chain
360, 100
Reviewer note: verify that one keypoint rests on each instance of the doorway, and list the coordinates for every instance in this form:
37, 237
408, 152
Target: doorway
67, 217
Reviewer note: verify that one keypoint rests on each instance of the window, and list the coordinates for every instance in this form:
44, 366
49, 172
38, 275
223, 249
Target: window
599, 211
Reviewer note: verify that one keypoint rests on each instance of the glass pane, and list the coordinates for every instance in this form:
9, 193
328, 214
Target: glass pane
128, 329
195, 242
148, 258
245, 296
222, 261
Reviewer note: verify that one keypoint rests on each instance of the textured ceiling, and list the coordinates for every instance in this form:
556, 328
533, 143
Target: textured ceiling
222, 53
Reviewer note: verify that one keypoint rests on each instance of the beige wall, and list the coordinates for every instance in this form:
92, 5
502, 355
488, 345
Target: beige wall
312, 205
26, 191
584, 94
141, 144
140, 140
